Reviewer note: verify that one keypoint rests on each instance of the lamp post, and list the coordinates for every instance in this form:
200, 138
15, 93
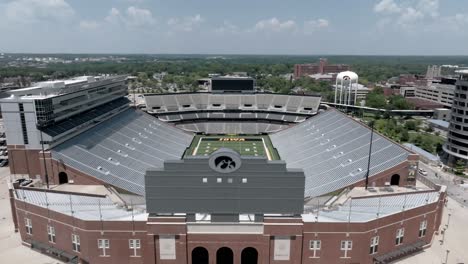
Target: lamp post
43, 159
448, 220
446, 256
370, 152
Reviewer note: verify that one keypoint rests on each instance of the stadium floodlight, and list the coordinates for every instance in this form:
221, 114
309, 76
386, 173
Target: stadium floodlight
44, 160
371, 124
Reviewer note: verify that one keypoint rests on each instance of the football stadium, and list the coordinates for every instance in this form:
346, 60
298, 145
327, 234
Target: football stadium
226, 176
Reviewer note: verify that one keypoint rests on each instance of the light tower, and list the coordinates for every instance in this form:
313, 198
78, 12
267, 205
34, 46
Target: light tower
345, 82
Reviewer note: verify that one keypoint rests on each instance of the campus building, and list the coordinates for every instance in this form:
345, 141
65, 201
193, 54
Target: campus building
321, 68
215, 186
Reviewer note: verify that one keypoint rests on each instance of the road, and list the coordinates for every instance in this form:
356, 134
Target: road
457, 191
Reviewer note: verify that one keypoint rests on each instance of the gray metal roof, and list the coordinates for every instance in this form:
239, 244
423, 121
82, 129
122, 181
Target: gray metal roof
422, 152
119, 150
367, 209
79, 206
439, 122
332, 149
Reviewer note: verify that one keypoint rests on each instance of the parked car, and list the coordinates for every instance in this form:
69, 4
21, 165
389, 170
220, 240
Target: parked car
20, 180
25, 183
422, 172
3, 163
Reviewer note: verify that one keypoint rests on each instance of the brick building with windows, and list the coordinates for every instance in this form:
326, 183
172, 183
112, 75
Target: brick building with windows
322, 67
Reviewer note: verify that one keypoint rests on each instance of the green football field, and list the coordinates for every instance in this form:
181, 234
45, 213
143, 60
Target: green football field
257, 146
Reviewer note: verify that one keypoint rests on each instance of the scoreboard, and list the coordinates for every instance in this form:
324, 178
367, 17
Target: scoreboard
223, 84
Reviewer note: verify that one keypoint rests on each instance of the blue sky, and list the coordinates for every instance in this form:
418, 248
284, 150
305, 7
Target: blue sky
361, 27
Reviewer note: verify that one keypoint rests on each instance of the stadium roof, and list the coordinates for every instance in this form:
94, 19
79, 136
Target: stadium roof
84, 207
119, 150
367, 209
93, 208
333, 149
422, 152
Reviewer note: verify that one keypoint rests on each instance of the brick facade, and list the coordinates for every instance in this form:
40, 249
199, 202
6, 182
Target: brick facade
300, 234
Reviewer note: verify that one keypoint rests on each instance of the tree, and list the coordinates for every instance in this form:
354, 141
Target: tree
429, 129
400, 103
460, 167
404, 135
376, 100
411, 125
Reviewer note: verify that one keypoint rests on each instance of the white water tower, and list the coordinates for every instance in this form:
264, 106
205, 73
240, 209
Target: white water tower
345, 83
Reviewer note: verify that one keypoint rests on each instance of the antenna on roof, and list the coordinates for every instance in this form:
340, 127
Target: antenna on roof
100, 216
133, 217
371, 123
44, 160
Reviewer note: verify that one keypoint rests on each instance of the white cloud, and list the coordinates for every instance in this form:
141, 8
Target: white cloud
133, 17
31, 11
114, 16
311, 26
274, 24
407, 14
186, 24
88, 24
387, 6
139, 17
428, 7
227, 27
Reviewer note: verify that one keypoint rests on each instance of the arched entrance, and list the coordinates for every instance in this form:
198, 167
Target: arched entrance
200, 256
224, 255
249, 256
63, 177
395, 180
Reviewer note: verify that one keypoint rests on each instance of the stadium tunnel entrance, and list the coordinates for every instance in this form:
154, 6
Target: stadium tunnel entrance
249, 256
63, 177
200, 256
395, 180
224, 255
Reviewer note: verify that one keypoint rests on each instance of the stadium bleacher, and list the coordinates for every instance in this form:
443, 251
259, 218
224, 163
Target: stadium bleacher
332, 149
70, 123
119, 150
231, 127
259, 101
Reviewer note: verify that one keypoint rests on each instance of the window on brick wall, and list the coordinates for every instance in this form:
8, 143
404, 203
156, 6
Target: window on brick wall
399, 236
422, 228
374, 245
346, 245
51, 233
28, 225
315, 246
104, 245
135, 245
76, 243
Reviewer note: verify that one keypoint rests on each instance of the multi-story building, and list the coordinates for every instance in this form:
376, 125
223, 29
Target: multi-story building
440, 92
301, 70
457, 141
50, 112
